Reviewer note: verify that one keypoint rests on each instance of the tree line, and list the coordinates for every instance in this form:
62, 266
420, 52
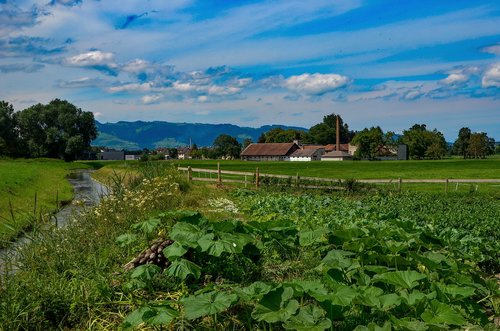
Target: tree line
372, 143
56, 130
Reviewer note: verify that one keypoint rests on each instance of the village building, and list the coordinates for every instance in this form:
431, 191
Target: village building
336, 156
307, 154
111, 155
269, 151
184, 153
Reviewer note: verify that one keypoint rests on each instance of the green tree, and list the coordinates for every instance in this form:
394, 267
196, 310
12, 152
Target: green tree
226, 146
424, 143
247, 142
480, 145
462, 143
8, 130
280, 135
372, 142
326, 132
58, 129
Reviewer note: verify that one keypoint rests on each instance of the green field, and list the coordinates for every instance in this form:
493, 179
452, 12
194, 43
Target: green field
20, 181
424, 169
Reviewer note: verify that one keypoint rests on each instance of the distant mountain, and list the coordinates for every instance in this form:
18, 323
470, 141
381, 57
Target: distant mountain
139, 134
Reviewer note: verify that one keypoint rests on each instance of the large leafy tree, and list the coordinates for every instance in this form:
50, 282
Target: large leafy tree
325, 132
58, 129
372, 142
462, 143
8, 130
279, 135
424, 143
480, 145
226, 146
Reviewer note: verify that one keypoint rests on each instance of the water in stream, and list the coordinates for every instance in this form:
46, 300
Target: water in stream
87, 192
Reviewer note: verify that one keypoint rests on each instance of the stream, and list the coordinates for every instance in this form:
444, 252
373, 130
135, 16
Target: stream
86, 190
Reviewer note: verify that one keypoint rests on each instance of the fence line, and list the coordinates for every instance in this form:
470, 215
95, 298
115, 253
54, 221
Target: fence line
257, 178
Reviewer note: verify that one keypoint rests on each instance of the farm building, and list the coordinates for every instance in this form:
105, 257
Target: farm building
307, 154
111, 155
269, 152
336, 156
184, 153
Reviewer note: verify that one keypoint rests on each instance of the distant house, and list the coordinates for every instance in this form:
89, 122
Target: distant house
184, 153
132, 155
307, 154
269, 152
111, 155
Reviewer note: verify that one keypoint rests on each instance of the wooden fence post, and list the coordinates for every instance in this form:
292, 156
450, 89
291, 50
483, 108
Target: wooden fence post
219, 177
297, 180
446, 186
257, 177
34, 208
400, 181
189, 174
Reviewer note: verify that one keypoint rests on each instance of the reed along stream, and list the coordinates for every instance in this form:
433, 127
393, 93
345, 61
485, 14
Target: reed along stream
87, 192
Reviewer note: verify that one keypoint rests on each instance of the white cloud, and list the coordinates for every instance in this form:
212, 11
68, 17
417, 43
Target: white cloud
491, 77
136, 66
151, 99
132, 87
93, 58
493, 49
455, 79
315, 84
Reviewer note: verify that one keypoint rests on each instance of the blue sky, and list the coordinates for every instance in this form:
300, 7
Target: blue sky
388, 63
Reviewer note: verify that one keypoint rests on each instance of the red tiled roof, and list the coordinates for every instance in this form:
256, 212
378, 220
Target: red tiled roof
333, 147
269, 149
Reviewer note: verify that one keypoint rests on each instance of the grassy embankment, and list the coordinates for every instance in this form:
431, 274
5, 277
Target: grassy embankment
20, 181
74, 278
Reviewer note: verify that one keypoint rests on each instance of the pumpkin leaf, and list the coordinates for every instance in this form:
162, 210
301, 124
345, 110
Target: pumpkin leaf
407, 279
207, 303
276, 306
146, 227
174, 251
441, 313
309, 318
182, 268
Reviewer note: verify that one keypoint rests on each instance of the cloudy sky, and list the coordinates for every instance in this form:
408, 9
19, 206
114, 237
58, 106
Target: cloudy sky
390, 63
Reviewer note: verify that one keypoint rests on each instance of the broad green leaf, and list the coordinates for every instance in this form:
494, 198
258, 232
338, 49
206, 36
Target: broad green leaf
134, 319
316, 289
389, 301
145, 272
226, 243
369, 296
374, 327
186, 234
126, 239
183, 268
276, 306
453, 292
134, 284
342, 295
255, 291
348, 234
146, 227
207, 303
309, 318
160, 315
308, 237
412, 298
407, 279
174, 251
338, 259
440, 313
409, 324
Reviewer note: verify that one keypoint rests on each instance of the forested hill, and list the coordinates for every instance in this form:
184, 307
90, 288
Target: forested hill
139, 135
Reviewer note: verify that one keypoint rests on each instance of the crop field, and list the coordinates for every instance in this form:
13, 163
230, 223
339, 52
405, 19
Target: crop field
162, 253
20, 181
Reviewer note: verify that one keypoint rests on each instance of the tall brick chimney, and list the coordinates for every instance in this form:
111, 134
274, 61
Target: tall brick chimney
338, 134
